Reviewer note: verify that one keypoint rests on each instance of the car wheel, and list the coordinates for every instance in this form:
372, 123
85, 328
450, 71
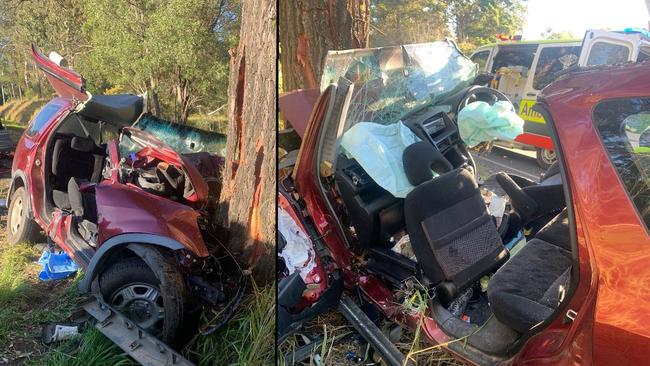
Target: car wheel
133, 289
545, 158
20, 226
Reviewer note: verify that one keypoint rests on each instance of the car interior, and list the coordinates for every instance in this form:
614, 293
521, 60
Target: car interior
456, 243
77, 156
77, 160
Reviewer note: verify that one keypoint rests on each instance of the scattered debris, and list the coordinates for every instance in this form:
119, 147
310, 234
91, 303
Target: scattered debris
404, 248
58, 332
56, 266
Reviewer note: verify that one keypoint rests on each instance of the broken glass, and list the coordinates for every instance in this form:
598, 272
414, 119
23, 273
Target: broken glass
390, 82
182, 138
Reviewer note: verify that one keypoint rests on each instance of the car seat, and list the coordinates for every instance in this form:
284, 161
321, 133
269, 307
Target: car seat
84, 210
528, 288
452, 234
534, 203
73, 157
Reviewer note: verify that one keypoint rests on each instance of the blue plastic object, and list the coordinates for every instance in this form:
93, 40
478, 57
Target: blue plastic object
56, 266
641, 31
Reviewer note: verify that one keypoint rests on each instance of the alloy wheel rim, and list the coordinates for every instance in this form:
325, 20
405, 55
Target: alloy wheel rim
142, 303
16, 215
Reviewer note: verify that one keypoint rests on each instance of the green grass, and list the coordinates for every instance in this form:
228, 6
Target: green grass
27, 303
248, 340
91, 349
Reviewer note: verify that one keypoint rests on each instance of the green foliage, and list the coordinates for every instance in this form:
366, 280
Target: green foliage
175, 50
395, 22
471, 23
477, 22
23, 305
90, 349
550, 34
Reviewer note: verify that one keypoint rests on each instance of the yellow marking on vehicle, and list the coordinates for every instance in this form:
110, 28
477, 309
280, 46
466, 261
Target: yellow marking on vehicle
526, 111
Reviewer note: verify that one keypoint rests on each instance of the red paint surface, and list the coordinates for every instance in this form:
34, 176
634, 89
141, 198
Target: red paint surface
296, 106
30, 149
305, 177
614, 235
160, 151
128, 209
121, 208
532, 139
67, 83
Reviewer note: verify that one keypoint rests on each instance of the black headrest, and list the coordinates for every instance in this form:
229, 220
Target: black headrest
421, 159
82, 144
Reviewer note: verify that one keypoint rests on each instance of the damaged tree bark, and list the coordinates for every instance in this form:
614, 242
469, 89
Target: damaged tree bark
247, 202
310, 28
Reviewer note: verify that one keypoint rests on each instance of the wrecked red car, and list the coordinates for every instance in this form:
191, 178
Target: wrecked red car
559, 278
131, 211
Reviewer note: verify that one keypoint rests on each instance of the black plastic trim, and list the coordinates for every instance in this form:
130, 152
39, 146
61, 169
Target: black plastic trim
122, 241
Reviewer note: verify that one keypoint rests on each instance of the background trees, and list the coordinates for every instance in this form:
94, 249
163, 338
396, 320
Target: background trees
175, 50
308, 29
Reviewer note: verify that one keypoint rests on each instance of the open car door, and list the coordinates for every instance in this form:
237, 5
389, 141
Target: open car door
66, 82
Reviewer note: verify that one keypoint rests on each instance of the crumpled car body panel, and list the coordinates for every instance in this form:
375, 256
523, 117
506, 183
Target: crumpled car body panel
124, 208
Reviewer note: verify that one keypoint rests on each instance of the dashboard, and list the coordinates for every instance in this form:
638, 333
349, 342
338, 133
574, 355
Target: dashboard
429, 124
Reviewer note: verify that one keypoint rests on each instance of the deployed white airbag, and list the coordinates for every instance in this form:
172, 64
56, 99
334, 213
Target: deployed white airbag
480, 122
378, 149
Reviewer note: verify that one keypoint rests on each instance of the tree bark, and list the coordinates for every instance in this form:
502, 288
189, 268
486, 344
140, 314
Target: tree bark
153, 87
310, 28
247, 201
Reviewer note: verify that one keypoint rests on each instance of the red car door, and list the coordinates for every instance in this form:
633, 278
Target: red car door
66, 82
30, 154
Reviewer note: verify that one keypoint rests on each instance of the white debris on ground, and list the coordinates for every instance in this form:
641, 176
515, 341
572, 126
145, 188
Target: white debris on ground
298, 253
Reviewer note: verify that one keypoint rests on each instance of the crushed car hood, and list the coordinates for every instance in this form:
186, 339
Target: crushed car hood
151, 147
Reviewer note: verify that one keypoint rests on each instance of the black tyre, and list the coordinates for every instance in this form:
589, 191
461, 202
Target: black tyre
132, 288
20, 226
545, 158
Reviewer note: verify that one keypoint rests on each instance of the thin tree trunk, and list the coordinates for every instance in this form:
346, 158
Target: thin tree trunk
247, 202
154, 96
310, 28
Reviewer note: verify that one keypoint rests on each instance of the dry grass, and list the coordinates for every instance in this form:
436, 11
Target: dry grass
21, 111
340, 339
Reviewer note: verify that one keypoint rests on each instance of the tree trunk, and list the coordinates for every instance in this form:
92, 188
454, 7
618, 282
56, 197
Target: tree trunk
154, 96
310, 28
247, 202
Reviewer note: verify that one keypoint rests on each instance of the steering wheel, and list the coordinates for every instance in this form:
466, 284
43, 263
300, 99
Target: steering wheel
473, 94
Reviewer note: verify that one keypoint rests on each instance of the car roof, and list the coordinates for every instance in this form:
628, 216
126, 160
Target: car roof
120, 109
599, 82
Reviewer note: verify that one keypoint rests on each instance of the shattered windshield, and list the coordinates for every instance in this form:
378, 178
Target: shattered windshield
390, 82
183, 139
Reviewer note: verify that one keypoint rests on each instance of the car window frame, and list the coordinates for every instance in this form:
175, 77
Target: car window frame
609, 43
60, 109
487, 59
646, 224
536, 66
